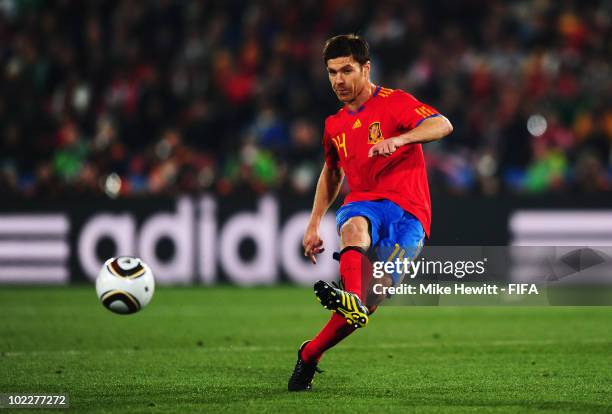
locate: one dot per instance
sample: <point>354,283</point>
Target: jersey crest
<point>374,133</point>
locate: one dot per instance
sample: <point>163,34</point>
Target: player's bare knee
<point>355,233</point>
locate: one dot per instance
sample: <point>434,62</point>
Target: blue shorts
<point>395,233</point>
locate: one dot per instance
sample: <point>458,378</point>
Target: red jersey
<point>401,177</point>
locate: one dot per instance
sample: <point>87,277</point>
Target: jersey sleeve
<point>409,111</point>
<point>331,155</point>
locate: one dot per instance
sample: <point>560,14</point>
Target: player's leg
<point>357,236</point>
<point>358,226</point>
<point>355,241</point>
<point>355,268</point>
<point>402,252</point>
<point>402,238</point>
<point>349,312</point>
<point>387,251</point>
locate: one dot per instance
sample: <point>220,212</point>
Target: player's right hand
<point>312,243</point>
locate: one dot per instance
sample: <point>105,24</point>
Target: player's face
<point>347,77</point>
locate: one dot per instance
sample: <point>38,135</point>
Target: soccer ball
<point>125,284</point>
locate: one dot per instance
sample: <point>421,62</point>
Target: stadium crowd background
<point>132,98</point>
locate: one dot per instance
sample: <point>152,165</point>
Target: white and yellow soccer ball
<point>125,284</point>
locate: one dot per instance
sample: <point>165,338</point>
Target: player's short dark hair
<point>347,45</point>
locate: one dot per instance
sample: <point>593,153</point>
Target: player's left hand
<point>385,147</point>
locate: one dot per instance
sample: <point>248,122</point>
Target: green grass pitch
<point>226,349</point>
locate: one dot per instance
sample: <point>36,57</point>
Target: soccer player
<point>375,141</point>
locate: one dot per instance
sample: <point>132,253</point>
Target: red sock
<point>354,271</point>
<point>352,262</point>
<point>333,332</point>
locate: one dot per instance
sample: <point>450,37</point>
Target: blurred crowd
<point>130,98</point>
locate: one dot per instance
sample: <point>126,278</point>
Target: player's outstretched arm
<point>328,187</point>
<point>431,129</point>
